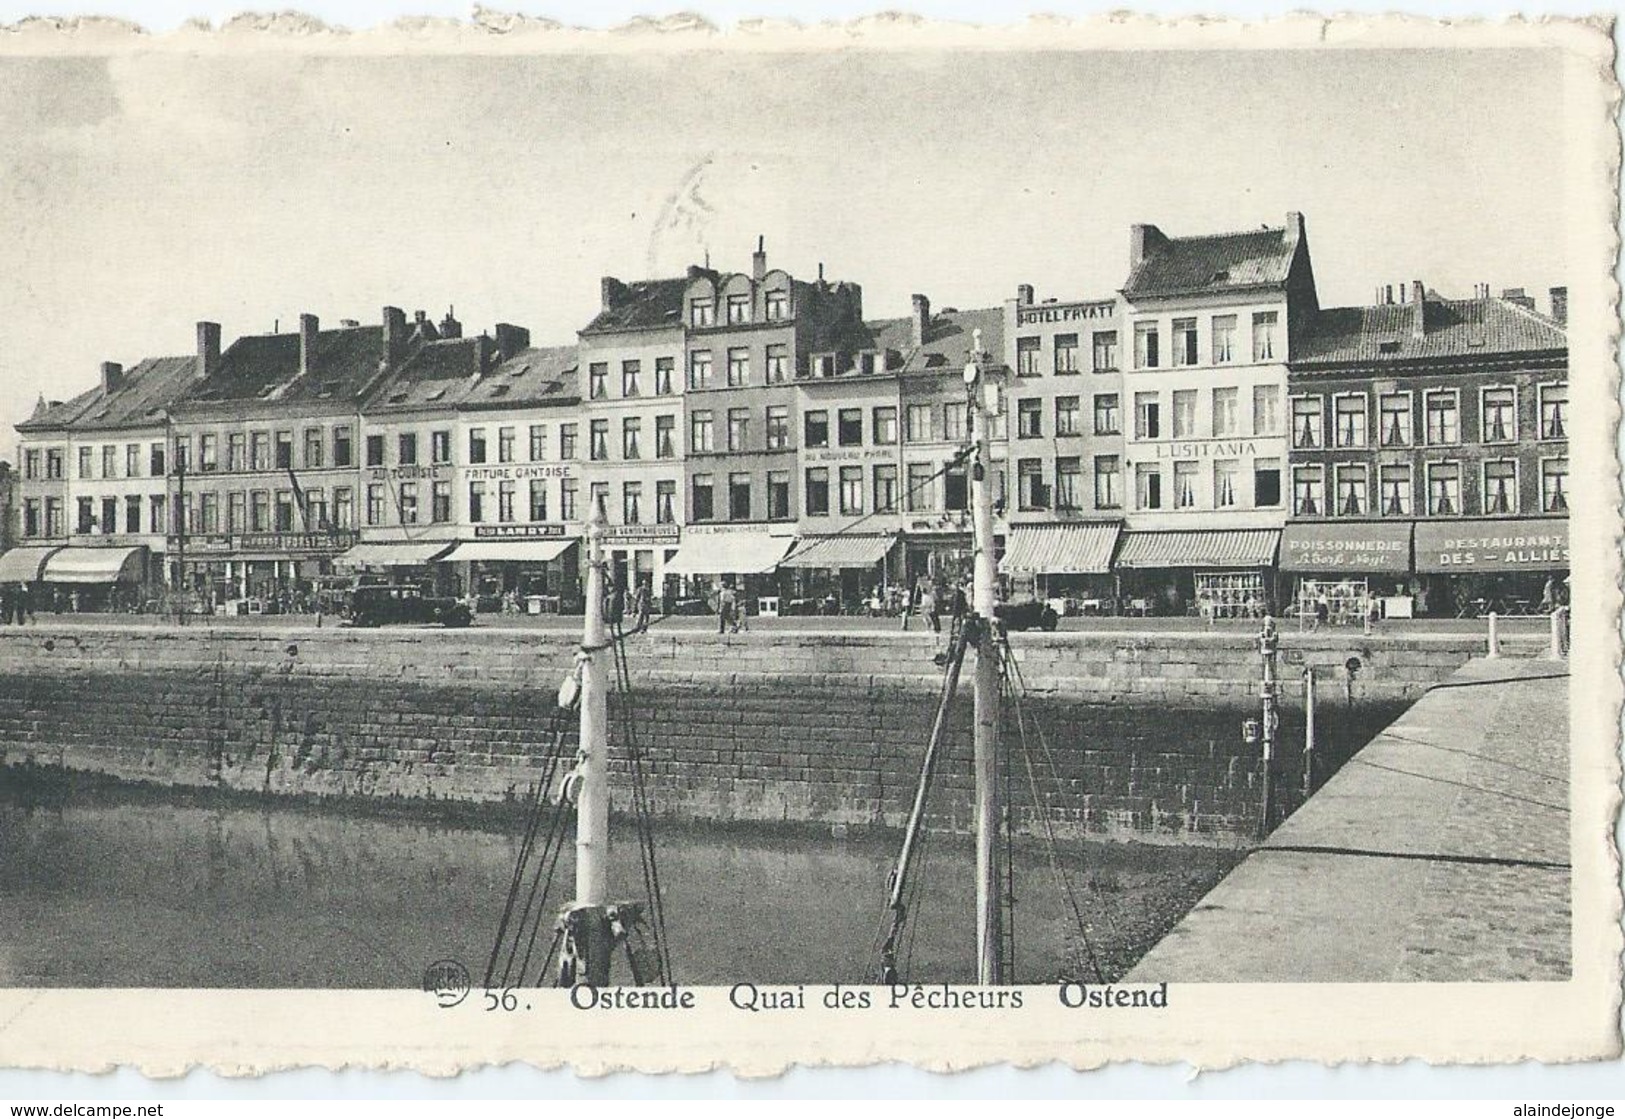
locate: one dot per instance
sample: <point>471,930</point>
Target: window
<point>738,366</point>
<point>1500,486</point>
<point>211,510</point>
<point>1266,409</point>
<point>569,491</point>
<point>1443,418</point>
<point>31,467</point>
<point>778,305</point>
<point>919,498</point>
<point>700,505</point>
<point>343,507</point>
<point>1068,471</point>
<point>1225,474</point>
<point>132,513</point>
<point>1185,485</point>
<point>375,503</point>
<point>440,503</point>
<point>182,517</point>
<point>316,510</point>
<point>1306,421</point>
<point>1224,339</point>
<point>885,424</point>
<point>236,452</point>
<point>476,445</point>
<point>1184,341</point>
<point>598,380</point>
<point>702,312</point>
<point>1029,418</point>
<point>778,363</point>
<point>700,439</point>
<point>314,448</point>
<point>505,444</point>
<point>1108,482</point>
<point>1147,485</point>
<point>567,442</point>
<point>778,427</point>
<point>1030,489</point>
<point>409,503</point>
<point>1394,419</point>
<point>598,440</point>
<point>1147,416</point>
<point>1108,419</point>
<point>1265,343</point>
<point>53,515</point>
<point>885,488</point>
<point>953,420</point>
<point>85,462</point>
<point>631,372</point>
<point>1105,354</point>
<point>1394,486</point>
<point>1353,494</point>
<point>699,369</point>
<point>1027,350</point>
<point>1444,489</point>
<point>1145,345</point>
<point>739,497</point>
<point>1308,491</point>
<point>1554,411</point>
<point>1184,413</point>
<point>1349,420</point>
<point>408,449</point>
<point>849,427</point>
<point>110,458</point>
<point>1266,482</point>
<point>1067,416</point>
<point>284,450</point>
<point>343,447</point>
<point>815,427</point>
<point>53,462</point>
<point>956,488</point>
<point>823,365</point>
<point>31,520</point>
<point>1554,485</point>
<point>375,450</point>
<point>598,495</point>
<point>664,367</point>
<point>476,502</point>
<point>817,491</point>
<point>505,502</point>
<point>1226,412</point>
<point>1498,418</point>
<point>236,511</point>
<point>631,437</point>
<point>738,428</point>
<point>917,423</point>
<point>632,503</point>
<point>666,502</point>
<point>1066,353</point>
<point>665,437</point>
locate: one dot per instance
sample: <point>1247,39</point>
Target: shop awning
<point>509,551</point>
<point>95,565</point>
<point>23,565</point>
<point>839,551</point>
<point>1374,546</point>
<point>728,553</point>
<point>1448,547</point>
<point>401,554</point>
<point>1227,547</point>
<point>1081,549</point>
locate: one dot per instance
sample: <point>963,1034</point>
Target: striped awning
<point>1068,549</point>
<point>23,565</point>
<point>1226,547</point>
<point>737,552</point>
<point>402,554</point>
<point>510,551</point>
<point>839,551</point>
<point>95,565</point>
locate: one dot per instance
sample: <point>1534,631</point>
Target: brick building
<point>1429,458</point>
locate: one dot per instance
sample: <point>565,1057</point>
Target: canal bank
<point>822,728</point>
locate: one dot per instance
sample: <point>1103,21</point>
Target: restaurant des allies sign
<point>1492,546</point>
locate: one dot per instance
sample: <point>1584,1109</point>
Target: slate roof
<point>1213,263</point>
<point>141,399</point>
<point>441,374</point>
<point>947,339</point>
<point>649,304</point>
<point>266,367</point>
<point>1454,328</point>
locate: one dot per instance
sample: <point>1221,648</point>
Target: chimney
<point>1024,295</point>
<point>1295,229</point>
<point>309,326</point>
<point>449,326</point>
<point>1142,242</point>
<point>394,335</point>
<point>511,339</point>
<point>208,349</point>
<point>1518,296</point>
<point>1388,294</point>
<point>484,351</point>
<point>612,293</point>
<point>921,320</point>
<point>349,324</point>
<point>1419,312</point>
<point>1560,305</point>
<point>112,377</point>
<point>758,260</point>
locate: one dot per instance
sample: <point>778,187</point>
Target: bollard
<point>1495,637</point>
<point>1560,633</point>
<point>1308,729</point>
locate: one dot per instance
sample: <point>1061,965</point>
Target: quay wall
<point>1132,735</point>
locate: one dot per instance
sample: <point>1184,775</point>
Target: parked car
<point>381,604</point>
<point>1027,615</point>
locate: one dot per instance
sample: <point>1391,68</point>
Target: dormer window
<point>866,364</point>
<point>824,365</point>
<point>702,312</point>
<point>1387,347</point>
<point>738,308</point>
<point>1222,276</point>
<point>778,305</point>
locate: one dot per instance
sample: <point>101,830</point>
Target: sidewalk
<point>1439,853</point>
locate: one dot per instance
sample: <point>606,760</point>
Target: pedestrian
<point>1373,615</point>
<point>1323,611</point>
<point>25,592</point>
<point>1548,595</point>
<point>726,604</point>
<point>930,608</point>
<point>8,602</point>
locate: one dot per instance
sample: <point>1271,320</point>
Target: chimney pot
<point>112,376</point>
<point>208,349</point>
<point>309,327</point>
<point>758,260</point>
<point>1560,305</point>
<point>1419,312</point>
<point>612,293</point>
<point>394,335</point>
<point>1024,294</point>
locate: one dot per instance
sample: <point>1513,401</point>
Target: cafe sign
<point>1474,546</point>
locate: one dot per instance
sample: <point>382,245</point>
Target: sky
<point>140,193</point>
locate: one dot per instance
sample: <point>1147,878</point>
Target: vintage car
<point>1027,615</point>
<point>380,604</point>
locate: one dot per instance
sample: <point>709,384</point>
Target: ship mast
<point>589,914</point>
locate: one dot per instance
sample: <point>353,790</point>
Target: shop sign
<point>728,527</point>
<point>851,454</point>
<point>516,472</point>
<point>434,473</point>
<point>115,540</point>
<point>1492,546</point>
<point>1207,448</point>
<point>267,542</point>
<point>202,543</point>
<point>640,534</point>
<point>1064,312</point>
<point>517,532</point>
<point>1347,547</point>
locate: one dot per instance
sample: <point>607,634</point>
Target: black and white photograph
<point>696,548</point>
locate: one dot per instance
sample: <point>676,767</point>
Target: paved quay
<point>1439,853</point>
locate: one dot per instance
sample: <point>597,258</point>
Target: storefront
<point>76,579</point>
<point>1211,573</point>
<point>530,571</point>
<point>26,564</point>
<point>1069,564</point>
<point>258,572</point>
<point>1505,566</point>
<point>852,572</point>
<point>743,558</point>
<point>638,556</point>
<point>396,562</point>
<point>1348,566</point>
